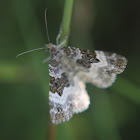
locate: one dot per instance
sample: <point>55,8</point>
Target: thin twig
<point>51,132</point>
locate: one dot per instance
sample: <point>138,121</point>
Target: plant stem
<point>66,20</point>
<point>51,132</point>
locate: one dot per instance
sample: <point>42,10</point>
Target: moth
<point>69,69</point>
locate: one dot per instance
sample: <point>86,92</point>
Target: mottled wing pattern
<point>99,67</point>
<point>103,73</point>
<point>69,69</point>
<point>60,99</point>
<point>116,62</point>
<point>67,94</point>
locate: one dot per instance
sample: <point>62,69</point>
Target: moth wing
<point>81,99</point>
<point>67,95</point>
<point>68,76</point>
<point>97,67</point>
<point>103,73</point>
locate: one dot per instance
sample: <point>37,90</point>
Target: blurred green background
<point>111,25</point>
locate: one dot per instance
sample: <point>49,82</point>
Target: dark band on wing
<point>58,84</point>
<point>119,62</point>
<point>88,57</point>
<point>70,51</point>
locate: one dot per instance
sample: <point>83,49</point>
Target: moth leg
<point>64,41</point>
<point>59,35</point>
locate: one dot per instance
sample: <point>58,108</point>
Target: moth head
<point>50,47</point>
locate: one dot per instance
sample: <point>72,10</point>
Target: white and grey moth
<point>69,69</point>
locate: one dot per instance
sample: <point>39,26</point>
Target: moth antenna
<point>47,36</point>
<point>30,51</point>
<point>46,25</point>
